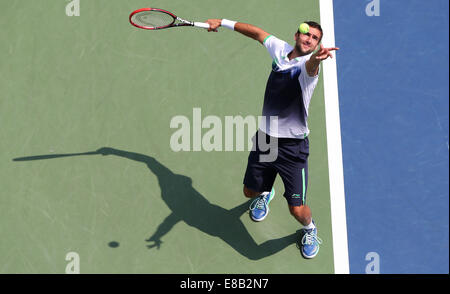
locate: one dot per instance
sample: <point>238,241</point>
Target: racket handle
<point>201,25</point>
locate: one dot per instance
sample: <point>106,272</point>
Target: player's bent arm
<point>251,31</point>
<point>248,30</point>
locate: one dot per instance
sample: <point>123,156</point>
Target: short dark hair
<point>315,25</point>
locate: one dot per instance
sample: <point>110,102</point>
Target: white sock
<point>310,226</point>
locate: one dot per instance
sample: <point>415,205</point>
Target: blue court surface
<point>393,97</point>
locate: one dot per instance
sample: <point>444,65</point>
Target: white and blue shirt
<point>288,93</point>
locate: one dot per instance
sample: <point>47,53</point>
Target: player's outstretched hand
<point>323,53</point>
<point>214,24</point>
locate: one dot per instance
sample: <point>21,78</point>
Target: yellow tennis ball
<point>304,28</point>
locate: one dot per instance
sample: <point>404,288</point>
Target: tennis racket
<point>157,19</point>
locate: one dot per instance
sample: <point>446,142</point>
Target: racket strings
<point>152,19</point>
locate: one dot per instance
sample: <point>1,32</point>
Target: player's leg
<point>258,184</point>
<point>295,180</point>
<point>293,170</point>
<point>295,194</point>
<point>296,188</point>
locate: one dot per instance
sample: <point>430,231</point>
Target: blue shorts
<point>291,164</point>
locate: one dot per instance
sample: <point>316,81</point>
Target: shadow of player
<point>188,205</point>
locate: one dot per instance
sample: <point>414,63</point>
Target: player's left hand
<point>323,53</point>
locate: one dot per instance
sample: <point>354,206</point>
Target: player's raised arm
<point>248,30</point>
<point>312,65</point>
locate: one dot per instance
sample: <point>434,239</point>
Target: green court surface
<point>94,84</point>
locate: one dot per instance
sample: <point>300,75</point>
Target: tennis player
<point>291,83</point>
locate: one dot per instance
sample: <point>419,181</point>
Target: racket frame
<point>182,22</point>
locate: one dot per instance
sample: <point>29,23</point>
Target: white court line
<point>333,126</point>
